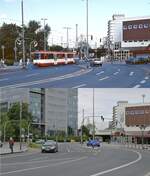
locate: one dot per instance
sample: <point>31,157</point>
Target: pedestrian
<point>11,144</point>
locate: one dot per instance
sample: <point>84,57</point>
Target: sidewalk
<point>9,68</point>
<point>6,150</point>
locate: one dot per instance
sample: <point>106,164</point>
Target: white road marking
<point>119,70</point>
<point>107,77</point>
<point>116,73</point>
<point>5,79</point>
<point>34,162</point>
<point>41,167</point>
<point>30,75</point>
<point>48,80</point>
<point>137,86</point>
<point>143,81</point>
<point>146,78</point>
<point>100,73</point>
<point>131,73</point>
<point>120,167</point>
<point>82,85</point>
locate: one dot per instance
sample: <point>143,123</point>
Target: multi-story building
<point>52,109</point>
<point>61,110</point>
<point>130,119</point>
<point>129,36</point>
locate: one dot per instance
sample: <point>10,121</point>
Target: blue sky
<point>62,13</point>
<point>105,99</point>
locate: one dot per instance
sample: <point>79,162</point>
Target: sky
<point>62,13</point>
<point>105,99</point>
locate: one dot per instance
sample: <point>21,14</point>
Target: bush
<point>34,145</point>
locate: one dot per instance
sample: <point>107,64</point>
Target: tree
<point>85,131</point>
<point>10,32</point>
<point>11,120</point>
<point>56,48</point>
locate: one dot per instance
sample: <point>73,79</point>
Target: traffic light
<point>100,40</point>
<point>102,118</point>
<point>91,37</point>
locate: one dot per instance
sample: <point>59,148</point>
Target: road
<point>74,160</point>
<point>78,76</point>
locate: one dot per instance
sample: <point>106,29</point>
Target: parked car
<point>93,143</point>
<point>1,144</point>
<point>96,62</point>
<point>49,146</point>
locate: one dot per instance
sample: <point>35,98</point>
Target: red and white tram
<point>50,58</point>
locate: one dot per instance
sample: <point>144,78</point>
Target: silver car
<point>49,146</point>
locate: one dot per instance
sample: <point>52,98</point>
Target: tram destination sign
<point>138,115</point>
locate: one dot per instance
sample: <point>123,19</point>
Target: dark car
<point>49,146</point>
<point>93,143</point>
<point>96,62</point>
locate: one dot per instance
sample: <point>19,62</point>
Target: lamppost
<point>23,32</point>
<point>87,27</point>
<point>3,52</point>
<point>17,41</point>
<point>142,128</point>
<point>93,132</point>
<point>67,29</point>
<point>44,19</point>
<point>76,36</point>
<point>34,43</point>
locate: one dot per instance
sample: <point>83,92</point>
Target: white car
<point>96,62</point>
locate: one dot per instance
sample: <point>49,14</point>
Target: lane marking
<point>143,81</point>
<point>121,166</point>
<point>100,73</point>
<point>5,79</point>
<point>34,162</point>
<point>67,76</point>
<point>137,86</point>
<point>116,73</point>
<point>131,73</point>
<point>119,70</point>
<point>106,77</point>
<point>82,85</point>
<point>41,167</point>
<point>30,75</point>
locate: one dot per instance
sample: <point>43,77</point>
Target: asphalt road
<point>74,160</point>
<point>77,76</point>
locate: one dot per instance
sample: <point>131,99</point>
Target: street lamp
<point>67,29</point>
<point>44,19</point>
<point>93,132</point>
<point>87,27</point>
<point>34,43</point>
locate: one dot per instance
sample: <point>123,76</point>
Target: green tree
<point>56,48</point>
<point>13,120</point>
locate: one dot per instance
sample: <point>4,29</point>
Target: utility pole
<point>87,28</point>
<point>67,29</point>
<point>20,125</point>
<point>44,19</point>
<point>93,132</point>
<point>76,35</point>
<point>23,31</point>
<point>82,124</point>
